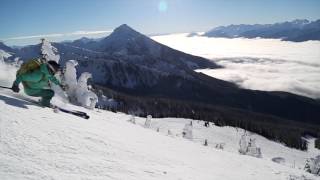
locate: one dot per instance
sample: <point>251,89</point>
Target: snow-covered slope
<point>36,143</point>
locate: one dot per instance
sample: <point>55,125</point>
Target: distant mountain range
<point>297,30</point>
<point>151,78</point>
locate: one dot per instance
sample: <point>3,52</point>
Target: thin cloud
<point>89,32</point>
<point>35,36</point>
<point>76,33</point>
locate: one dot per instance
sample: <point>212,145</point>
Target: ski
<point>54,107</point>
<point>76,113</point>
<point>72,112</point>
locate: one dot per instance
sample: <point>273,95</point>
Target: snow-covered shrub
<point>313,165</point>
<point>147,123</point>
<point>205,142</point>
<point>220,145</point>
<point>248,147</point>
<point>187,131</point>
<point>206,124</point>
<point>132,119</point>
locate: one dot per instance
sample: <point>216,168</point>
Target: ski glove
<point>15,88</point>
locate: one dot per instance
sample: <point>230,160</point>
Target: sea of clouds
<point>260,64</point>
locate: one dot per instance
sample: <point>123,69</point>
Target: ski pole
<point>5,87</point>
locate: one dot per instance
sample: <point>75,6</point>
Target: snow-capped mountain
<point>36,143</point>
<point>297,30</point>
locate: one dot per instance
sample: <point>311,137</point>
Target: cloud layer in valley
<point>261,64</point>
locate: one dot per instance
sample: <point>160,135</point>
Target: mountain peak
<point>124,27</point>
<point>125,30</point>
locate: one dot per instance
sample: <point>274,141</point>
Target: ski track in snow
<point>36,143</point>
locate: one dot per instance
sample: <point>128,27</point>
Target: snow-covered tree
<point>253,150</point>
<point>78,90</point>
<point>147,123</point>
<point>49,52</point>
<point>248,147</point>
<point>132,119</point>
<point>85,96</point>
<point>187,131</point>
<point>313,165</point>
<point>70,78</point>
<point>243,144</point>
<point>206,124</point>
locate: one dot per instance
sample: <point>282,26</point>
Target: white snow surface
<point>36,143</point>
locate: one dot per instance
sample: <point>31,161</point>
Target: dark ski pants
<point>45,94</point>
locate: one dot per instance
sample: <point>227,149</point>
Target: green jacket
<point>37,79</point>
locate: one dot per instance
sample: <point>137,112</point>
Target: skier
<point>35,77</point>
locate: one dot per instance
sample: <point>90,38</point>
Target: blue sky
<point>23,21</point>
